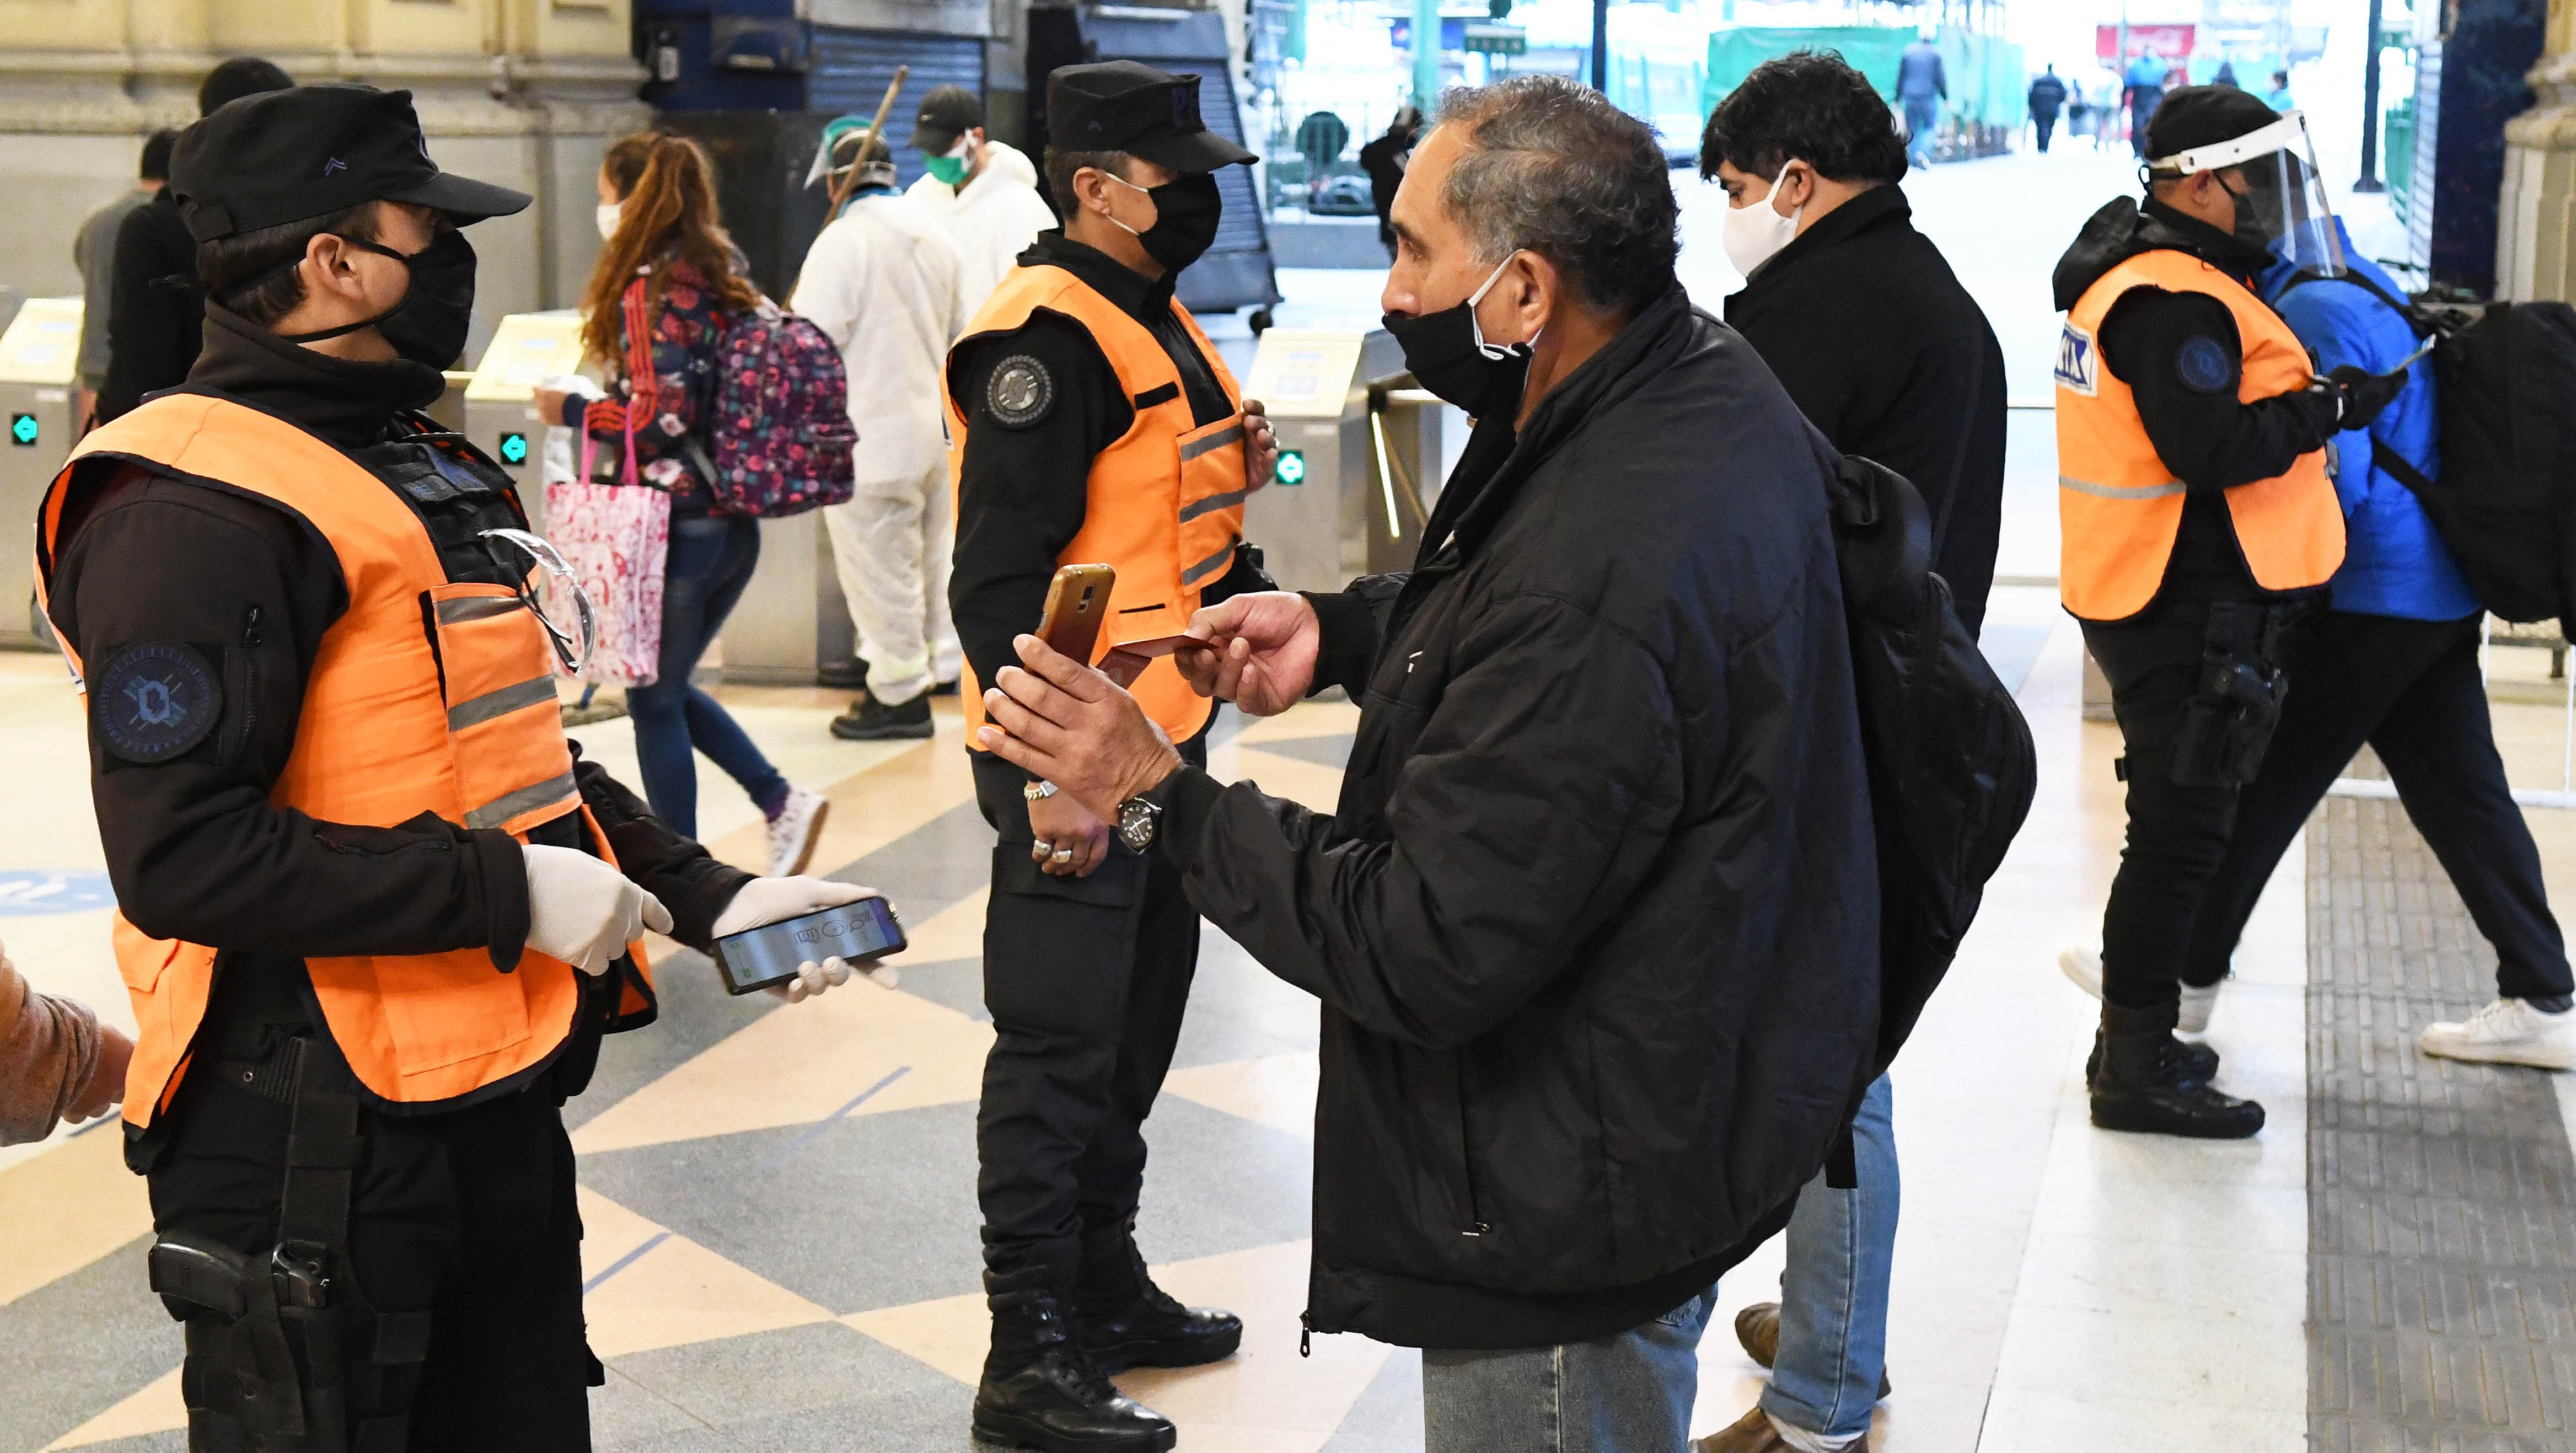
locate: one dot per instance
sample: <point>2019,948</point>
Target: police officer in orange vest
<point>2198,518</point>
<point>1093,423</point>
<point>375,913</point>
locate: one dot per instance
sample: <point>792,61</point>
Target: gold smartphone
<point>1077,602</point>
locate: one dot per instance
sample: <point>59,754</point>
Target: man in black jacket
<point>2047,98</point>
<point>1383,160</point>
<point>1595,924</point>
<point>155,313</point>
<point>1884,352</point>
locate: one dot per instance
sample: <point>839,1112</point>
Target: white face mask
<point>609,213</point>
<point>1754,232</point>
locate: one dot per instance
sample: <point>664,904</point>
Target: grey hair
<point>1552,167</point>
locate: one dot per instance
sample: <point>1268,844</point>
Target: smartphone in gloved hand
<point>858,933</point>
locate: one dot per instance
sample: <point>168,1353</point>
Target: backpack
<point>782,438</point>
<point>1951,767</point>
<point>2506,502</point>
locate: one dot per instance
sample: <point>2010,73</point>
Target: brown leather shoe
<point>1758,1328</point>
<point>1753,1433</point>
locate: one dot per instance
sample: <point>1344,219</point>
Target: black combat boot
<point>1126,1321</point>
<point>2198,1056</point>
<point>1041,1389</point>
<point>2147,1083</point>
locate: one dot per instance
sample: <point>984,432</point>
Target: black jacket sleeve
<point>1022,492</point>
<point>2162,345</point>
<point>195,848</point>
<point>677,870</point>
<point>1542,788</point>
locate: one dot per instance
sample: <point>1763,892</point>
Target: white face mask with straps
<point>1755,231</point>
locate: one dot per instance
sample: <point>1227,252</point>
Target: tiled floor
<point>779,1200</point>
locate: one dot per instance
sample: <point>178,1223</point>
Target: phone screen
<point>759,957</point>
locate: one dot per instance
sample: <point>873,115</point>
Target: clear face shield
<point>562,606</point>
<point>2281,203</point>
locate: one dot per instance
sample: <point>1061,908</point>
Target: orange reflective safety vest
<point>1165,501</point>
<point>425,696</point>
<point>2119,507</point>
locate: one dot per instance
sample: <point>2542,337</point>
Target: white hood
<point>992,221</point>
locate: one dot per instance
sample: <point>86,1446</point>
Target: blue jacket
<point>2394,564</point>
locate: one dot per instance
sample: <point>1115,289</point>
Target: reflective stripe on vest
<point>1164,501</point>
<point>424,696</point>
<point>2119,508</point>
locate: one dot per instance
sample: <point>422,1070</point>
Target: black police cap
<point>1131,107</point>
<point>946,114</point>
<point>2204,116</point>
<point>293,155</point>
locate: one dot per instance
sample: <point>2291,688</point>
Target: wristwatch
<point>1038,791</point>
<point>1137,819</point>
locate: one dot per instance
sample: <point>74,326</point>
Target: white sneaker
<point>2196,1004</point>
<point>794,831</point>
<point>2507,1032</point>
<point>2083,969</point>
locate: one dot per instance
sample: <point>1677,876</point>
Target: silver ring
<point>1063,855</point>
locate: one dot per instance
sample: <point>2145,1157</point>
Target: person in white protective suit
<point>882,281</point>
<point>984,192</point>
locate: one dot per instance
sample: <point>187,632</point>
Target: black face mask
<point>428,326</point>
<point>1185,218</point>
<point>1446,352</point>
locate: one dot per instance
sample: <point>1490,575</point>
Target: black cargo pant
<point>2178,832</point>
<point>1086,979</point>
<point>2411,690</point>
<point>467,1216</point>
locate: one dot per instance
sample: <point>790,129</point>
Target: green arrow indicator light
<point>22,429</point>
<point>1292,466</point>
<point>514,448</point>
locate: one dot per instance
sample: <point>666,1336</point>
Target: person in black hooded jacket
<point>1595,924</point>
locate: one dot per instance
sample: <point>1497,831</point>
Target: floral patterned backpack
<point>782,437</point>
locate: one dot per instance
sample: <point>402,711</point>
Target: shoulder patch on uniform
<point>2204,365</point>
<point>1020,391</point>
<point>2078,361</point>
<point>152,701</point>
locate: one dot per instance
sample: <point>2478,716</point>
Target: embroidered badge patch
<point>2204,365</point>
<point>1021,391</point>
<point>2078,362</point>
<point>153,701</point>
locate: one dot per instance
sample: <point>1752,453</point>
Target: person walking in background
<point>2047,94</point>
<point>2102,88</point>
<point>882,282</point>
<point>2226,76</point>
<point>1889,357</point>
<point>1922,84</point>
<point>1383,160</point>
<point>155,313</point>
<point>2394,665</point>
<point>667,284</point>
<point>2144,90</point>
<point>983,192</point>
<point>94,253</point>
<point>2278,98</point>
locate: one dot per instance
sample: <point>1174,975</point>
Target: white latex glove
<point>583,911</point>
<point>770,900</point>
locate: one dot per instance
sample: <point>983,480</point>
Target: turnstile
<point>1359,457</point>
<point>526,350</point>
<point>39,405</point>
<point>792,620</point>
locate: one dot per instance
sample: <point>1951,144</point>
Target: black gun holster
<point>2228,720</point>
<point>265,1368</point>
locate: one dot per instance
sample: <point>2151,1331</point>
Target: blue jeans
<point>710,562</point>
<point>1833,1293</point>
<point>1630,1392</point>
<point>1922,118</point>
